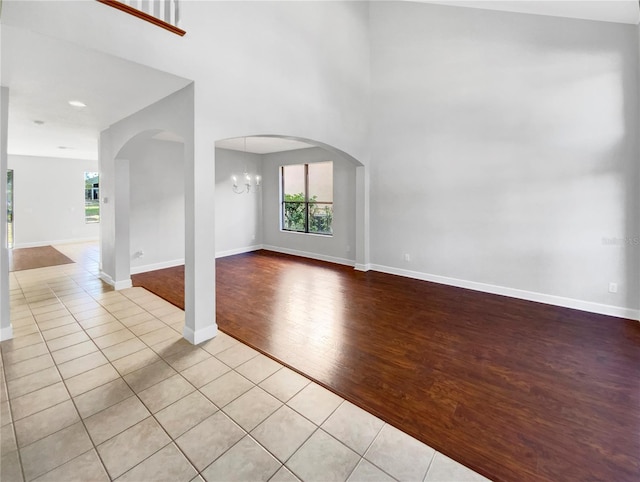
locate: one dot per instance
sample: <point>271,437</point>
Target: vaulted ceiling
<point>44,74</point>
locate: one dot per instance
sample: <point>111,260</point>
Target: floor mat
<point>40,257</point>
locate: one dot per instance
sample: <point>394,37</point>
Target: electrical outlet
<point>407,257</point>
<point>348,248</point>
<point>613,287</point>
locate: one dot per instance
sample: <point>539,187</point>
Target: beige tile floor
<point>100,385</point>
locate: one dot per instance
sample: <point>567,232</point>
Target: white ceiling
<point>619,11</point>
<point>43,74</point>
<point>261,145</point>
<point>252,144</point>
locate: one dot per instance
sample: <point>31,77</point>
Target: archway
<point>265,154</point>
<point>149,204</point>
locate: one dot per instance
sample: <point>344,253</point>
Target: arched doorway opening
<point>328,202</point>
<point>147,226</point>
<point>156,200</point>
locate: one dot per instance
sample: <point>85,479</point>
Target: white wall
<point>156,209</point>
<point>121,142</point>
<point>6,330</point>
<point>248,221</point>
<point>49,200</point>
<point>238,216</point>
<point>177,115</point>
<point>505,144</point>
<point>504,151</point>
<point>311,59</point>
<point>341,246</point>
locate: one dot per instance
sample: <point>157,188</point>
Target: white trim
<point>117,285</point>
<point>155,266</point>
<point>106,278</point>
<point>203,334</point>
<point>306,254</point>
<point>123,285</point>
<point>39,244</point>
<point>589,306</point>
<point>180,262</point>
<point>6,333</point>
<point>362,267</point>
<point>231,252</point>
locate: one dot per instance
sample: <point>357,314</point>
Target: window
<point>91,197</point>
<point>307,197</point>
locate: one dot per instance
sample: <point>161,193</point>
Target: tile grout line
<point>196,389</point>
<point>151,414</point>
<point>82,420</point>
<point>371,444</point>
<point>76,409</point>
<point>109,362</point>
<point>13,420</point>
<point>62,379</point>
<point>364,453</point>
<point>433,457</point>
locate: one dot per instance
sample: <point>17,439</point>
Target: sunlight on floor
<point>99,385</point>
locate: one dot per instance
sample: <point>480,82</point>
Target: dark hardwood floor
<point>40,257</point>
<point>515,390</point>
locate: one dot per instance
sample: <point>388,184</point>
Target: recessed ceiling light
<point>38,122</point>
<point>77,103</point>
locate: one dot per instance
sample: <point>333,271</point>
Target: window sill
<point>319,235</point>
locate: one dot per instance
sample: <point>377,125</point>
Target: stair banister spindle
<point>163,13</point>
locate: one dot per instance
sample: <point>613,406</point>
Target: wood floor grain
<point>515,390</point>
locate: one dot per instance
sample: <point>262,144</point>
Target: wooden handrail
<point>144,16</point>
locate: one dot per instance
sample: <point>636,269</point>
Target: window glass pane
<point>293,182</point>
<point>307,204</point>
<point>321,182</point>
<point>320,218</point>
<point>91,197</point>
<point>293,216</point>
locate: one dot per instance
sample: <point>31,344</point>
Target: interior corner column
<point>114,216</point>
<point>6,330</point>
<point>200,254</point>
<point>121,198</point>
<point>362,219</point>
<point>106,165</point>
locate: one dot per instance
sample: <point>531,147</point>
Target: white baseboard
<point>180,262</point>
<point>6,333</point>
<point>155,266</point>
<point>123,285</point>
<point>117,285</point>
<point>231,252</point>
<point>305,254</point>
<point>38,244</point>
<point>198,336</point>
<point>589,306</point>
<point>106,278</point>
<point>362,267</point>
